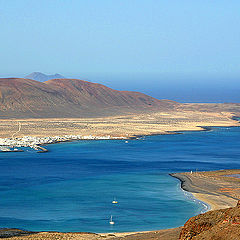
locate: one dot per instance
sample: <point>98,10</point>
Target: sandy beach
<point>219,189</point>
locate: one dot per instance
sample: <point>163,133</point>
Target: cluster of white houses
<point>34,142</point>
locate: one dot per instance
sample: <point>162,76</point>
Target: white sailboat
<point>111,221</point>
<point>114,201</point>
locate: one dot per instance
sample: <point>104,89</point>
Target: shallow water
<point>71,187</point>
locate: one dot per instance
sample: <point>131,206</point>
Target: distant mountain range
<point>41,77</point>
<point>26,98</point>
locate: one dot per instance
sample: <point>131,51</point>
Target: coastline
<point>218,189</point>
<point>185,186</point>
<point>207,207</point>
<point>189,183</point>
<point>208,187</point>
<point>37,143</point>
<point>211,187</point>
<point>46,131</point>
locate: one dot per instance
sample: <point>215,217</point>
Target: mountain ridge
<point>41,77</point>
<point>26,98</point>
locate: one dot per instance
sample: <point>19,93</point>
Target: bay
<point>71,187</point>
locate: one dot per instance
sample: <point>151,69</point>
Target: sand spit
<point>217,188</point>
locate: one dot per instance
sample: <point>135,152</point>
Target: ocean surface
<point>71,188</point>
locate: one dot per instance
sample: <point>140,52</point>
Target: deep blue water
<point>71,187</point>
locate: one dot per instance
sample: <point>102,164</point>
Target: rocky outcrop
<point>8,233</point>
<point>221,224</point>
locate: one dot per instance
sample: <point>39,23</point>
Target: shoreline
<point>207,196</point>
<point>217,189</point>
<point>185,186</point>
<point>207,207</point>
<point>117,127</point>
<point>208,187</point>
<point>38,143</point>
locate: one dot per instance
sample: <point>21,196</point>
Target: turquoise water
<point>71,187</point>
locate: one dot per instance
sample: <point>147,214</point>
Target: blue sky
<point>166,48</point>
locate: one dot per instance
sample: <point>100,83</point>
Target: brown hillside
<point>221,224</point>
<point>24,98</point>
<point>85,93</point>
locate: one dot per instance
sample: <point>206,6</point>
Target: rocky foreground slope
<point>221,224</point>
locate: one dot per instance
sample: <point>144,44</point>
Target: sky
<point>184,50</point>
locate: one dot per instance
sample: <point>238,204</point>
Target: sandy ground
<point>118,126</point>
<point>215,188</point>
<point>166,234</point>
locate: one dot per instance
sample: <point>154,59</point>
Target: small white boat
<point>126,141</point>
<point>111,221</point>
<point>114,201</point>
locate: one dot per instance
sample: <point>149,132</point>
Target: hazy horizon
<point>181,89</point>
<point>184,51</point>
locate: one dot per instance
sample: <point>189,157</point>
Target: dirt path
<point>19,129</point>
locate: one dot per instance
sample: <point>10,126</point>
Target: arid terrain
<point>168,234</point>
<point>63,98</point>
<point>73,98</point>
<point>220,224</point>
<point>61,107</point>
<point>116,126</point>
<point>220,189</point>
<point>76,107</point>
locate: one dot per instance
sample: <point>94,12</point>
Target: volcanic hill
<point>26,98</point>
<point>41,77</point>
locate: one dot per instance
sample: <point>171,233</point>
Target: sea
<point>71,187</point>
